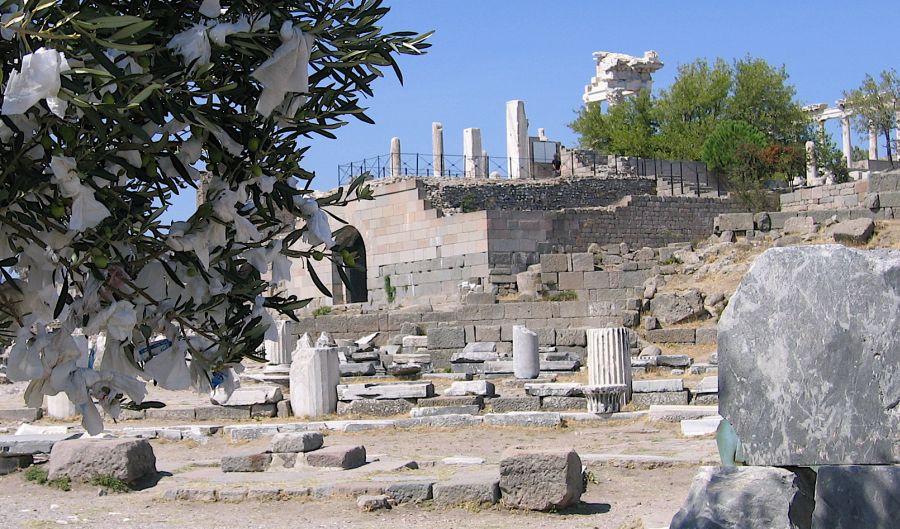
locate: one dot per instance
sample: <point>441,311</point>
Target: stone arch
<point>355,289</point>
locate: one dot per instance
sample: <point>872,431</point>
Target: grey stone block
<point>21,415</point>
<point>404,390</point>
<point>129,460</point>
<point>263,410</point>
<point>571,337</point>
<point>850,497</point>
<point>284,409</point>
<point>671,335</point>
<point>524,419</point>
<point>374,408</point>
<point>469,488</point>
<point>358,369</point>
<point>856,231</point>
<point>837,339</point>
<point>748,498</point>
<point>452,401</point>
<point>341,456</point>
<point>666,398</point>
<point>296,442</point>
<point>541,480</point>
<point>563,403</point>
<point>654,386</point>
<point>487,333</point>
<point>439,421</point>
<point>446,337</point>
<point>582,262</point>
<point>706,335</point>
<point>246,463</point>
<point>431,411</point>
<point>677,307</point>
<point>510,404</point>
<point>673,360</point>
<point>216,413</point>
<point>554,389</point>
<point>554,263</point>
<point>10,464</point>
<point>26,445</point>
<point>410,491</point>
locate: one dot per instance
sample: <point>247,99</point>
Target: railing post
<point>671,178</point>
<point>697,177</point>
<point>681,177</point>
<point>417,165</point>
<point>594,162</point>
<point>572,168</point>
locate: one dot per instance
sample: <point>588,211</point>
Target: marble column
<point>609,359</point>
<point>278,352</point>
<point>873,143</point>
<point>812,168</point>
<point>605,398</point>
<point>526,360</point>
<point>315,375</point>
<point>437,148</point>
<point>847,144</point>
<point>517,152</point>
<point>472,153</point>
<point>395,157</point>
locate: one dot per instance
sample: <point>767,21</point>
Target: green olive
<point>100,261</point>
<point>215,155</point>
<point>57,211</point>
<point>253,144</point>
<point>256,171</point>
<point>108,99</point>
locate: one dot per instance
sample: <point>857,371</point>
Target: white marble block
<point>609,359</point>
<point>315,375</point>
<point>517,151</point>
<point>472,153</point>
<point>437,148</point>
<point>526,360</point>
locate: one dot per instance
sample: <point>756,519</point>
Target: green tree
<point>875,103</point>
<point>719,151</point>
<point>762,97</point>
<point>688,111</point>
<point>110,110</point>
<point>627,128</point>
<point>830,159</point>
<point>735,149</point>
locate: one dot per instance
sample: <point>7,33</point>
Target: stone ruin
<point>620,75</point>
<point>809,390</point>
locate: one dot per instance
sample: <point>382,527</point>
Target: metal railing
<point>674,176</point>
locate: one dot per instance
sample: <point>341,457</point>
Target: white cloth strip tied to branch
<point>286,71</point>
<point>87,211</point>
<point>38,78</point>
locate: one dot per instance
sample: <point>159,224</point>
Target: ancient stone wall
<point>837,196</point>
<point>645,221</point>
<point>531,195</point>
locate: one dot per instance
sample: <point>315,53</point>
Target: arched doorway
<point>353,288</point>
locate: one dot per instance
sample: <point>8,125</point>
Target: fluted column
<point>526,360</point>
<point>315,374</point>
<point>278,352</point>
<point>609,359</point>
<point>437,148</point>
<point>395,157</point>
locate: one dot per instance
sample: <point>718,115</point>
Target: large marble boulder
<point>809,357</point>
<point>854,496</point>
<point>748,498</point>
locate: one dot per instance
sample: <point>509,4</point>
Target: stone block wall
<point>430,280</point>
<point>452,195</point>
<point>650,221</point>
<point>837,196</point>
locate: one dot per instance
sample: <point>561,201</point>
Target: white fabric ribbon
<point>38,78</point>
<point>286,71</point>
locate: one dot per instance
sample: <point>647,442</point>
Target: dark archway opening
<point>353,286</point>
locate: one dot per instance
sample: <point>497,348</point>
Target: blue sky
<point>486,52</point>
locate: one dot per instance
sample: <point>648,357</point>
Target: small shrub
<point>110,483</point>
<point>670,261</point>
<point>64,484</point>
<point>36,474</point>
<point>467,204</point>
<point>565,295</point>
<point>389,290</point>
<point>322,311</point>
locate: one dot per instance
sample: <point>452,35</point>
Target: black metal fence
<point>676,177</point>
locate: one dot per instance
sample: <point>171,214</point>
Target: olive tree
<point>112,108</point>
